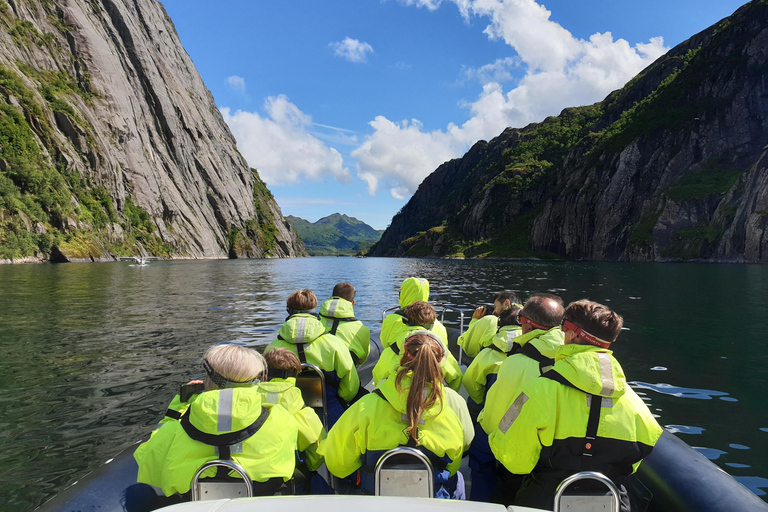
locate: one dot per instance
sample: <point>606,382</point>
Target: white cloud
<point>499,71</point>
<point>236,82</point>
<point>351,49</point>
<point>280,146</point>
<point>560,71</point>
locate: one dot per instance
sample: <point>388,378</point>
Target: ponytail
<point>421,358</point>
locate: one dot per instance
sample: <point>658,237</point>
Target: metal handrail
<point>231,465</point>
<point>461,324</point>
<point>588,475</point>
<point>404,450</point>
<point>318,371</point>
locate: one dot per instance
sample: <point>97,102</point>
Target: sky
<point>347,105</point>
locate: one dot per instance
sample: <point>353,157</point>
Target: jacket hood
<point>546,342</point>
<point>413,289</point>
<point>283,392</point>
<point>225,410</point>
<point>591,369</point>
<point>399,399</point>
<point>506,336</point>
<point>301,328</point>
<point>336,307</point>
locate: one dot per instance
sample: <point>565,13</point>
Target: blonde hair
<point>235,363</point>
<point>421,357</point>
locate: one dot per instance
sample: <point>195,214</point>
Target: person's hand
<point>479,312</point>
<point>194,382</point>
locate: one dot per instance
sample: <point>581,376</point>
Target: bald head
<point>545,309</point>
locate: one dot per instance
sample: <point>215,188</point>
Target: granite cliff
<point>671,167</point>
<point>111,145</point>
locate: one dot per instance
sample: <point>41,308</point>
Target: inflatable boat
<point>673,478</point>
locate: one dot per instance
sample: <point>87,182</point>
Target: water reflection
<point>93,352</point>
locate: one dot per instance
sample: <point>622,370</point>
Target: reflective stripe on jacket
<point>515,371</point>
<point>171,458</point>
<point>338,318</point>
<point>305,333</point>
<point>543,430</point>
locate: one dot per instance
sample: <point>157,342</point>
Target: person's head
<point>589,323</point>
<point>509,315</point>
<point>541,311</point>
<point>345,291</point>
<point>229,365</point>
<point>282,363</point>
<point>301,301</point>
<point>503,300</point>
<point>413,289</point>
<point>420,313</point>
<point>422,354</point>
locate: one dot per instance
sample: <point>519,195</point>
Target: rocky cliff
<point>671,167</point>
<point>110,143</point>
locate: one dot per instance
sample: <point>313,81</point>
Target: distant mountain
<point>334,235</point>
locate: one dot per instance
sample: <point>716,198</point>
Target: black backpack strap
<point>224,442</point>
<point>300,351</point>
<point>593,422</point>
<point>530,351</point>
<point>173,414</point>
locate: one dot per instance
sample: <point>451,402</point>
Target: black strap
<point>174,415</point>
<point>224,440</point>
<point>395,348</point>
<point>274,373</point>
<point>593,422</point>
<point>300,350</point>
<point>532,352</point>
<point>334,326</point>
<point>554,375</point>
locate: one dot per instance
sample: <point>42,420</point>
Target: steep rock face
<point>669,168</point>
<point>120,115</point>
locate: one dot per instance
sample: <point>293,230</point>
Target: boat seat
<point>210,489</point>
<point>404,471</point>
<point>589,501</point>
<point>311,383</point>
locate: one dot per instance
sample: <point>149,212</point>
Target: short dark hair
<point>546,309</point>
<point>597,319</point>
<point>344,290</point>
<point>303,299</point>
<point>509,315</point>
<point>506,296</point>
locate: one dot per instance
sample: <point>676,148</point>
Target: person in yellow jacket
<point>484,323</point>
<point>280,388</point>
<point>338,317</point>
<point>225,421</point>
<point>580,416</point>
<point>532,351</point>
<point>408,409</point>
<point>418,315</point>
<point>304,335</point>
<point>394,327</point>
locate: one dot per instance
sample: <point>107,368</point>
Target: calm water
<point>92,353</point>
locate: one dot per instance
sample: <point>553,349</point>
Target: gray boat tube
<point>683,480</point>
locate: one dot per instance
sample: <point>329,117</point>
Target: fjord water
<point>92,353</point>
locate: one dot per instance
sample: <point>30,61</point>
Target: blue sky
<point>347,105</point>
